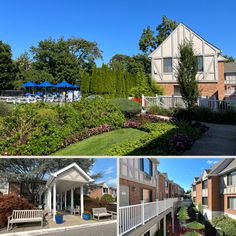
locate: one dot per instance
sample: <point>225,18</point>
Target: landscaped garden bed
<point>44,129</point>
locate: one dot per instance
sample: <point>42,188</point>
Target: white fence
<point>130,217</point>
<point>177,101</point>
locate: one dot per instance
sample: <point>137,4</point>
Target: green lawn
<point>100,144</point>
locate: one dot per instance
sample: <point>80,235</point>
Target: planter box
<point>59,219</point>
<point>86,216</point>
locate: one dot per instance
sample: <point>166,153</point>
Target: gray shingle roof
<point>230,167</point>
<point>230,67</point>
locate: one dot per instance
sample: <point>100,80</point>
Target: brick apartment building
<point>216,79</point>
<point>29,191</point>
<point>140,181</point>
<point>98,190</point>
<point>215,189</point>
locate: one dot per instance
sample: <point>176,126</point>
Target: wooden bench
<point>101,212</point>
<point>25,216</point>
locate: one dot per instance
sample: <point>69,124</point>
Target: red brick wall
<point>230,211</point>
<point>215,200</point>
<point>135,191</point>
<point>15,188</point>
<point>199,193</point>
<point>161,190</point>
<point>98,192</point>
<point>206,89</point>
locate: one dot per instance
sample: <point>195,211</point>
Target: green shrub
<point>5,108</point>
<point>195,225</point>
<point>95,112</point>
<point>127,107</point>
<point>107,198</point>
<point>182,214</point>
<point>226,225</point>
<point>205,114</point>
<point>40,128</point>
<point>160,111</point>
<point>155,142</point>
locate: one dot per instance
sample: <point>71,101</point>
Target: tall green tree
<point>85,84</point>
<point>186,74</point>
<point>7,66</point>
<point>65,59</point>
<point>149,41</point>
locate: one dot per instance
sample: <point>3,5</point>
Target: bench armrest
<point>9,217</point>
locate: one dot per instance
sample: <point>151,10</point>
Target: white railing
<point>205,192</point>
<point>130,217</point>
<point>177,101</point>
<point>230,190</point>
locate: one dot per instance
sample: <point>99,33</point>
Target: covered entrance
<point>60,188</point>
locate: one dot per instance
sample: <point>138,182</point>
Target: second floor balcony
<point>194,194</point>
<point>231,189</point>
<point>205,192</point>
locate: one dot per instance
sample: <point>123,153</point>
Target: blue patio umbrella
<point>29,85</point>
<point>76,86</point>
<point>64,84</point>
<point>46,84</point>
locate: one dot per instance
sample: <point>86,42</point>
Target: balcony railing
<point>230,80</point>
<point>194,194</point>
<point>230,190</point>
<point>130,217</point>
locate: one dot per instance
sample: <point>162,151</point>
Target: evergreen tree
<point>85,84</point>
<point>7,66</point>
<point>186,74</point>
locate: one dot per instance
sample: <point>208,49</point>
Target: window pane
<point>167,65</point>
<point>148,166</point>
<point>232,203</point>
<point>200,63</point>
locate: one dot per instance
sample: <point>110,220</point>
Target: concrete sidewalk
<point>108,228</point>
<point>219,140</point>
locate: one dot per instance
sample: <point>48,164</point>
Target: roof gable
<point>181,33</point>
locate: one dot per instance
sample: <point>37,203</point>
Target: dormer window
<point>200,67</point>
<point>167,65</point>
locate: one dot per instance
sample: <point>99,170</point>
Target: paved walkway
<point>219,140</point>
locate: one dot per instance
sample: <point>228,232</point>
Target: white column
<point>61,201</point>
<point>82,199</point>
<point>50,199</point>
<point>173,221</point>
<point>65,200</point>
<point>54,200</point>
<point>164,225</point>
<point>71,200</point>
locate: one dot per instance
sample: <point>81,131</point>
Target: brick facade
<point>199,193</point>
<point>98,192</point>
<point>135,191</point>
<point>215,198</point>
<point>206,89</point>
<point>161,190</point>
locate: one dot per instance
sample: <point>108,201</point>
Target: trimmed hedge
<point>127,107</point>
<point>155,142</point>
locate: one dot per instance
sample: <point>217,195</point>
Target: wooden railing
<point>130,217</point>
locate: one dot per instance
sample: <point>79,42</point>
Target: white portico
<point>60,189</point>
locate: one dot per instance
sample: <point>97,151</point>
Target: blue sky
<point>109,169</point>
<point>116,25</point>
<point>183,170</point>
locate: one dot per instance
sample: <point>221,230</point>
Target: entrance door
<point>124,195</point>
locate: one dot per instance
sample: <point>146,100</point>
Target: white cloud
<point>211,162</point>
<point>109,170</point>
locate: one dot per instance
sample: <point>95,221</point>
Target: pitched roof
<point>230,67</point>
<point>220,166</point>
<point>182,24</point>
<point>230,167</point>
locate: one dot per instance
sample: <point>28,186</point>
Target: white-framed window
<point>167,65</point>
<point>146,166</point>
<point>204,184</point>
<point>232,203</point>
<point>200,67</point>
<point>231,178</point>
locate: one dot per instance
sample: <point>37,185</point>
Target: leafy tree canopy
<point>149,41</point>
<point>229,58</point>
<point>7,66</point>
